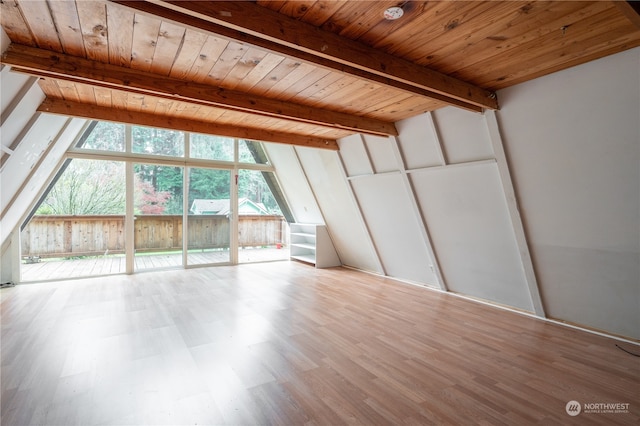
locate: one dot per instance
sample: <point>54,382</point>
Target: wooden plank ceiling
<point>301,72</point>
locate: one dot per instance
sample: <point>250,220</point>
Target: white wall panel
<point>354,156</point>
<point>5,41</point>
<point>14,124</point>
<point>294,183</point>
<point>418,142</point>
<point>27,153</point>
<point>381,154</point>
<point>30,186</point>
<point>467,215</point>
<point>394,227</point>
<point>573,141</point>
<point>463,135</point>
<point>11,83</point>
<point>340,211</point>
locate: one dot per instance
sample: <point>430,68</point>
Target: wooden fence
<point>69,236</point>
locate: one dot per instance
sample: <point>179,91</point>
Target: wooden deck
<point>46,270</point>
<point>285,343</point>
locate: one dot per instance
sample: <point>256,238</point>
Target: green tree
<point>147,140</point>
<point>209,184</point>
<point>87,187</point>
<point>252,185</point>
<point>163,179</point>
<point>211,147</point>
<point>105,136</point>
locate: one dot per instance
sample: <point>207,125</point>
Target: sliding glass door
<point>262,229</point>
<point>158,207</point>
<point>209,217</point>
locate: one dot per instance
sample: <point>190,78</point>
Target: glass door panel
<point>262,229</point>
<point>209,219</point>
<point>78,228</point>
<point>158,201</point>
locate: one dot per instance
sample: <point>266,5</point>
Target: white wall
<point>377,175</point>
<point>311,178</point>
<point>325,174</point>
<point>294,183</point>
<point>467,214</point>
<point>460,196</point>
<point>386,206</point>
<point>573,141</point>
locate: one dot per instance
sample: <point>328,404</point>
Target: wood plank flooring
<point>284,343</point>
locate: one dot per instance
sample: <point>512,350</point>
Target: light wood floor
<point>284,343</point>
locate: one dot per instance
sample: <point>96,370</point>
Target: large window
<point>147,140</point>
<point>132,198</point>
<point>78,229</point>
<point>104,136</point>
<point>251,152</point>
<point>211,147</point>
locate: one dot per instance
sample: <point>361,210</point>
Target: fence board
<point>70,236</point>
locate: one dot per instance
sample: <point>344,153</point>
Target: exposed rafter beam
<point>247,22</point>
<point>630,9</point>
<point>59,106</point>
<point>45,63</point>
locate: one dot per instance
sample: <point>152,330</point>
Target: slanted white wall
<point>312,178</point>
<point>324,172</point>
<point>460,195</point>
<point>21,96</point>
<point>376,173</point>
<point>294,183</point>
<point>573,141</point>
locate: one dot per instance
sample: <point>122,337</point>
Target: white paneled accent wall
<point>353,148</point>
<point>381,152</point>
<point>466,211</point>
<point>386,207</point>
<point>462,202</point>
<point>428,152</point>
<point>463,135</point>
<point>573,140</point>
<point>389,209</point>
<point>435,222</point>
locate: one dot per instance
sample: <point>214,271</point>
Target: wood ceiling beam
<point>94,112</point>
<point>49,64</point>
<point>630,9</point>
<point>253,24</point>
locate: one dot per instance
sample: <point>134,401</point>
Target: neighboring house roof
<point>209,206</point>
<point>246,206</point>
<point>223,206</point>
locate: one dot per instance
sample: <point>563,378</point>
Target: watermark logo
<point>573,408</point>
